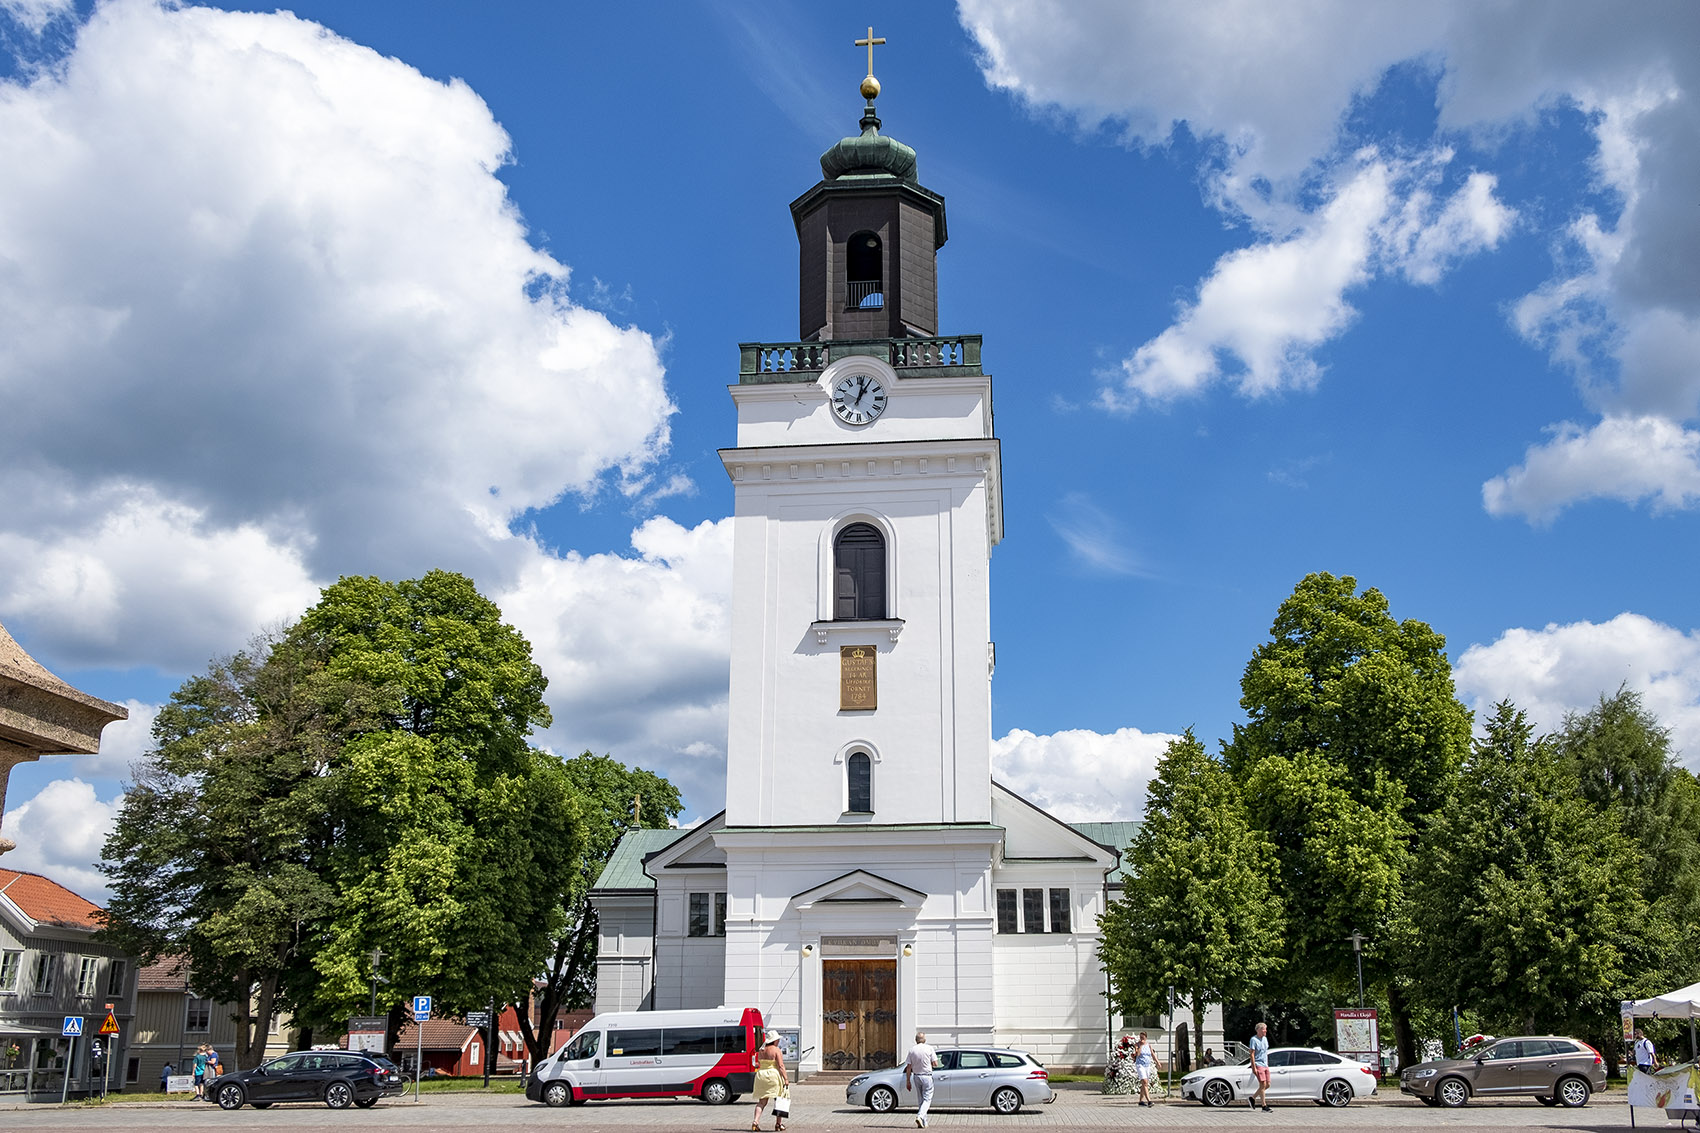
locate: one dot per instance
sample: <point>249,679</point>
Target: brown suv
<point>1556,1071</point>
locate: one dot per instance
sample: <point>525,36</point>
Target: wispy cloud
<point>1093,536</point>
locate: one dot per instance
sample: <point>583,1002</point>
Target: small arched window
<point>863,273</point>
<point>859,773</point>
<point>859,562</point>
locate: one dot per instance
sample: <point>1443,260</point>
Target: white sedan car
<point>1295,1073</point>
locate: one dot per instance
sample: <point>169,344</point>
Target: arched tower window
<point>859,562</point>
<point>865,285</point>
<point>859,776</point>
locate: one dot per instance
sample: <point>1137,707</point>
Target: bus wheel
<point>715,1091</point>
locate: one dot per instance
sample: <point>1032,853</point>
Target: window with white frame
<point>1009,911</point>
<point>11,963</point>
<point>115,978</point>
<point>1023,910</point>
<point>42,977</point>
<point>88,972</point>
<point>859,783</point>
<point>1061,920</point>
<point>708,914</point>
<point>197,1014</point>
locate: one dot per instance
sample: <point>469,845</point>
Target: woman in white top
<point>1144,1068</point>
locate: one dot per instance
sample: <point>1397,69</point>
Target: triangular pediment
<point>1034,834</point>
<point>859,887</point>
<point>695,849</point>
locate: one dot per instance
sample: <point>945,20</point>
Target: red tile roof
<point>48,902</point>
<point>440,1034</point>
<point>168,973</point>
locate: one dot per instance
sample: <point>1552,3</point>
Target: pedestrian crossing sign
<point>73,1025</point>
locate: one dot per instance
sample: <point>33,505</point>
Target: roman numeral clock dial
<point>858,398</point>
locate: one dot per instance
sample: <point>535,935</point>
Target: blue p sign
<point>421,1008</point>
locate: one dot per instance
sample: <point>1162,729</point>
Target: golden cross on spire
<point>870,85</point>
<point>870,43</point>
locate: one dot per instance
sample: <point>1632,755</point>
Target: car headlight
<point>858,1080</point>
<point>1426,1072</point>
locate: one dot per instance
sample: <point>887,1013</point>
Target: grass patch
<point>1093,1078</point>
<point>441,1085</point>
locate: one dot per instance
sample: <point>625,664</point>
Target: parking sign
<point>421,1008</point>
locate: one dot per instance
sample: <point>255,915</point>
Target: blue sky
<point>1403,292</point>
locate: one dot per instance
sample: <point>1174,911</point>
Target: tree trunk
<point>253,1023</point>
<point>303,1038</point>
<point>1198,1028</point>
<point>1403,1038</point>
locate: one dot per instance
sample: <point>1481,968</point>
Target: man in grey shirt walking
<point>918,1075</point>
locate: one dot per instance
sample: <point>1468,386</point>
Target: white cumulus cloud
<point>1566,668</point>
<point>1079,775</point>
<point>59,833</point>
<point>267,316</point>
<point>1271,90</point>
<point>637,649</point>
<point>1623,458</point>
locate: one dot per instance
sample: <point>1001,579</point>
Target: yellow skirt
<point>768,1082</point>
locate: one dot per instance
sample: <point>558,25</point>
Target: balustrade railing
<point>957,355</point>
<point>865,294</point>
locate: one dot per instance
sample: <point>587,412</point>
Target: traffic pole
<point>70,1061</point>
<point>418,1059</point>
<point>489,1041</point>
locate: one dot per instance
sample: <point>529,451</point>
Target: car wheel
<point>1572,1092</point>
<point>338,1095</point>
<point>1217,1093</point>
<point>1006,1099</point>
<point>1337,1092</point>
<point>230,1096</point>
<point>1452,1092</point>
<point>882,1099</point>
<point>715,1091</point>
<point>557,1094</point>
<point>365,1103</point>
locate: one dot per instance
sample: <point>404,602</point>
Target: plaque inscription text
<point>857,687</point>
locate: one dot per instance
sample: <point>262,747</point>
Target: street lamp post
<point>1358,952</point>
<point>377,955</point>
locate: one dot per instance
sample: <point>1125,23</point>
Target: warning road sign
<point>110,1027</point>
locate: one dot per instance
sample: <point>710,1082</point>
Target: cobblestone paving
<point>819,1109</point>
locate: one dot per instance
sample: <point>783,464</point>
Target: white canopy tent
<point>1684,1003</point>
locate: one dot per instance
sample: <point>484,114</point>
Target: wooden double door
<point>859,1014</point>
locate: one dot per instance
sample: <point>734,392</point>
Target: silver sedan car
<point>1003,1079</point>
<point>1295,1073</point>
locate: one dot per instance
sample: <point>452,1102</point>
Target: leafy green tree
<point>1353,734</point>
<point>218,851</point>
<point>1528,894</point>
<point>1197,911</point>
<point>1622,758</point>
<point>612,798</point>
<point>455,836</point>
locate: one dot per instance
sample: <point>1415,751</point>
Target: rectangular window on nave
<point>1009,914</point>
<point>1033,910</point>
<point>708,914</point>
<point>1060,919</point>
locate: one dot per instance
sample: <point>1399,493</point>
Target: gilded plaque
<point>857,688</point>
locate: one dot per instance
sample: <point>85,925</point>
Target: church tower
<point>867,877</point>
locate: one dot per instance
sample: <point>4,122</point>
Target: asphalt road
<point>818,1109</point>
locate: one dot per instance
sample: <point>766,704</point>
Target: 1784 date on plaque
<point>858,689</point>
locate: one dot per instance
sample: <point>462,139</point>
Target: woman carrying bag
<point>771,1084</point>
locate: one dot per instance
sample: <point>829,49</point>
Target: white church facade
<point>867,877</point>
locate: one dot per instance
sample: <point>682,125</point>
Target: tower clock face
<point>858,398</point>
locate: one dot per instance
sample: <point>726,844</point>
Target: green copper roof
<point>869,155</point>
<point>1116,835</point>
<point>625,865</point>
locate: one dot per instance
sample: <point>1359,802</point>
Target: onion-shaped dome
<point>872,154</point>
